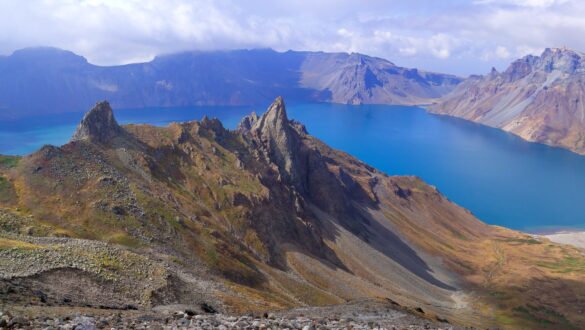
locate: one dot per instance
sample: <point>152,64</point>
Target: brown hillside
<point>263,217</point>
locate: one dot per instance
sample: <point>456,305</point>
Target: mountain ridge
<point>58,81</point>
<point>539,98</point>
<point>262,217</point>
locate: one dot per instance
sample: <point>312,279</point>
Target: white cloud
<point>440,45</point>
<point>457,36</point>
<point>408,51</point>
<point>502,52</point>
<point>499,53</point>
<point>523,3</point>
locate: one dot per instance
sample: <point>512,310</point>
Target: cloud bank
<point>458,36</point>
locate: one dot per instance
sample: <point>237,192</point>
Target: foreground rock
<point>358,315</point>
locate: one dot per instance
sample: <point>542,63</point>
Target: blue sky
<point>461,37</point>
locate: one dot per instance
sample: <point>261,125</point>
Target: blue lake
<point>502,179</point>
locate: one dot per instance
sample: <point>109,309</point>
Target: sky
<point>457,36</point>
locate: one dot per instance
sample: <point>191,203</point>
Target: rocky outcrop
<point>539,98</point>
<point>362,315</point>
<point>247,122</point>
<point>279,142</point>
<point>286,144</point>
<point>98,125</point>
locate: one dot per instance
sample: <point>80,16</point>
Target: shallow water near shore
<point>501,178</point>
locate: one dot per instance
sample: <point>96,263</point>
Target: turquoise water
<point>502,179</point>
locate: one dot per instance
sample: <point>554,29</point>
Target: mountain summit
<point>540,98</point>
<point>280,143</point>
<point>98,125</point>
<point>561,59</point>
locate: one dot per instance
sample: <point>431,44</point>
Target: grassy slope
<point>190,196</point>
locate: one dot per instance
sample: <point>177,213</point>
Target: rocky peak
<point>493,73</point>
<point>247,122</point>
<point>561,59</point>
<point>560,52</point>
<point>274,119</point>
<point>279,141</point>
<point>552,59</point>
<point>520,68</point>
<point>213,124</point>
<point>361,59</point>
<point>98,125</point>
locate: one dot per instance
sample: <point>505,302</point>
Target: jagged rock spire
<point>279,140</point>
<point>98,125</point>
<point>247,122</point>
<point>274,120</point>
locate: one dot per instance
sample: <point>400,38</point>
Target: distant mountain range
<point>50,80</point>
<point>539,98</point>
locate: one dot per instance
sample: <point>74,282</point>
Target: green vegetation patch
<point>520,241</point>
<point>108,262</point>
<point>16,224</point>
<point>231,263</point>
<point>542,316</point>
<point>124,239</point>
<point>9,161</point>
<point>4,184</point>
<point>6,243</point>
<point>7,192</point>
<point>568,264</point>
<point>504,319</point>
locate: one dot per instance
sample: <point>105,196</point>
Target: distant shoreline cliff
<point>50,80</point>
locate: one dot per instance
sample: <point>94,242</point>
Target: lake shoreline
<point>575,238</point>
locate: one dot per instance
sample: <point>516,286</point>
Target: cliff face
<point>360,79</point>
<point>538,98</point>
<point>59,81</point>
<point>262,217</point>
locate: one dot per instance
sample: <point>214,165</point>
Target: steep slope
<point>47,80</point>
<point>263,217</point>
<point>539,98</point>
<point>359,79</point>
